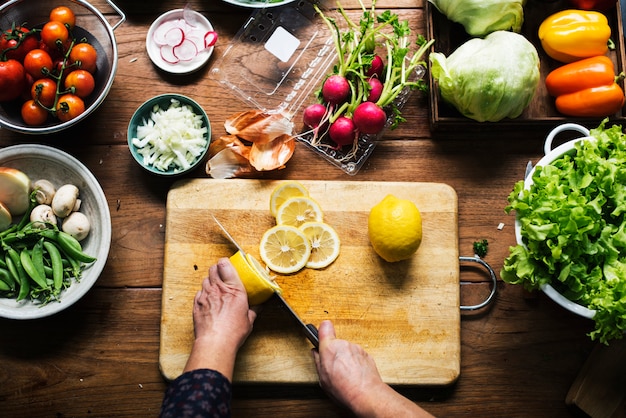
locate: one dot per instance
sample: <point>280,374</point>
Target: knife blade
<point>230,237</point>
<point>529,169</point>
<point>310,331</point>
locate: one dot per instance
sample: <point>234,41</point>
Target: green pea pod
<point>6,281</point>
<point>4,286</point>
<point>56,261</point>
<point>11,269</point>
<point>70,245</point>
<point>36,256</point>
<point>31,270</point>
<point>21,274</point>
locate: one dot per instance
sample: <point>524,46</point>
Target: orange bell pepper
<point>570,35</point>
<point>586,88</point>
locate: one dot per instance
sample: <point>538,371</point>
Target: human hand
<point>222,319</point>
<point>350,376</point>
<point>346,372</point>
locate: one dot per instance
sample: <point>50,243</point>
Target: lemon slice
<point>285,249</point>
<point>258,283</point>
<point>298,210</point>
<point>324,242</point>
<point>284,191</point>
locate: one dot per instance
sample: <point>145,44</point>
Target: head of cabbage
<point>481,17</point>
<point>488,79</point>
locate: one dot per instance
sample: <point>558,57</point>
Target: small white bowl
<point>201,25</point>
<point>45,162</point>
<point>258,4</point>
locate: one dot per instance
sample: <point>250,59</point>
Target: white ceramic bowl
<point>201,25</point>
<point>550,156</point>
<point>45,162</point>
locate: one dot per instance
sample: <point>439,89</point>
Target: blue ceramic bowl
<point>143,114</point>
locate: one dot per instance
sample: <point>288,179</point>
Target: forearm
<point>385,402</point>
<point>214,355</point>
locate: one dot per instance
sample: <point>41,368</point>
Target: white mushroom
<point>64,200</point>
<point>77,225</point>
<point>44,191</point>
<point>42,215</point>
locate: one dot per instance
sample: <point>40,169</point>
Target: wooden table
<point>100,357</point>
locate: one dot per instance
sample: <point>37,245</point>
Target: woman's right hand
<point>349,375</point>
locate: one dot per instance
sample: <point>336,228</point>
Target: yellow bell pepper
<point>571,35</point>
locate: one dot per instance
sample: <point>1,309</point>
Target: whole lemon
<point>395,228</point>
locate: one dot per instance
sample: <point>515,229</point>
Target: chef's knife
<point>310,331</point>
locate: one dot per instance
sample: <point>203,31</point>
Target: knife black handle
<point>311,333</point>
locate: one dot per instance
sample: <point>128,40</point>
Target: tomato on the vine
<point>85,57</point>
<point>44,91</point>
<point>64,15</point>
<point>69,106</point>
<point>33,114</point>
<point>12,80</point>
<point>38,63</point>
<point>16,42</point>
<point>81,82</point>
<point>55,35</point>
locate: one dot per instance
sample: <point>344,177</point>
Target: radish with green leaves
<point>374,66</point>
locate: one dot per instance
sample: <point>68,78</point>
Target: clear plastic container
<point>277,61</point>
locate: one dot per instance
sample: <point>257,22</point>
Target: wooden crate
<point>541,113</point>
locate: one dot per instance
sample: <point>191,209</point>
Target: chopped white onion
<point>171,138</point>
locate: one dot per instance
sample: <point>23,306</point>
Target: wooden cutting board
<point>405,314</point>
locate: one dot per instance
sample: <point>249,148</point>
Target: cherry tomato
<point>44,91</point>
<point>69,107</point>
<point>81,81</point>
<point>38,63</point>
<point>55,35</point>
<point>16,43</point>
<point>64,15</point>
<point>12,80</point>
<point>33,114</point>
<point>84,56</point>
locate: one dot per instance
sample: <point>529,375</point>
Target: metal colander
<point>90,24</point>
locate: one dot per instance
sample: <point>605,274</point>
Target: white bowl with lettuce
<point>571,227</point>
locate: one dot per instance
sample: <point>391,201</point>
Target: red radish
<point>335,89</point>
<point>369,118</point>
<point>342,131</point>
<point>167,54</point>
<point>376,89</point>
<point>376,68</point>
<point>313,115</point>
<point>210,38</point>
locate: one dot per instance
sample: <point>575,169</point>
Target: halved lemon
<point>298,210</point>
<point>284,249</point>
<point>258,283</point>
<point>284,191</point>
<point>324,242</point>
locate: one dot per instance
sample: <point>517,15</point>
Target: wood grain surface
<point>405,314</point>
<point>100,358</point>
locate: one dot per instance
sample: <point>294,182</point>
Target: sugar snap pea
<point>7,284</point>
<point>31,270</point>
<point>56,262</point>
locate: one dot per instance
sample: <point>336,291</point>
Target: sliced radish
<point>189,16</point>
<point>159,33</point>
<point>167,54</point>
<point>210,38</point>
<point>186,51</point>
<point>174,37</point>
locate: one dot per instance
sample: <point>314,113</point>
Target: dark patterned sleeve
<point>202,392</point>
